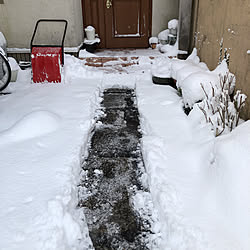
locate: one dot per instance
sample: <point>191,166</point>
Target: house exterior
<point>18,18</point>
<point>229,20</point>
<point>203,24</point>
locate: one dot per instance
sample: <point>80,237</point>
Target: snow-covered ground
<point>199,183</point>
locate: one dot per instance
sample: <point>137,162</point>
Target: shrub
<point>220,109</point>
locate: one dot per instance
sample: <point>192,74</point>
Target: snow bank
<point>32,125</point>
<point>162,67</point>
<point>13,64</point>
<point>41,158</point>
<point>74,68</point>
<point>199,184</point>
<point>232,173</point>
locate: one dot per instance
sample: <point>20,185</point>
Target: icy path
<point>113,178</point>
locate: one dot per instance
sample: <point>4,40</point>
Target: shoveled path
<point>112,174</point>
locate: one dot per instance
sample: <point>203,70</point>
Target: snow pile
<point>13,64</point>
<point>153,40</point>
<point>163,35</point>
<point>85,54</point>
<point>162,67</point>
<point>232,186</point>
<point>173,24</point>
<point>194,84</point>
<point>45,130</point>
<point>32,125</point>
<point>196,180</point>
<point>75,68</point>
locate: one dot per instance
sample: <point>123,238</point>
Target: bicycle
<point>5,70</point>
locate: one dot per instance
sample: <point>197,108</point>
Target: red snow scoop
<point>47,59</point>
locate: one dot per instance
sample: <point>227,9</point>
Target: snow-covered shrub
<point>162,67</point>
<point>219,109</point>
<point>191,85</point>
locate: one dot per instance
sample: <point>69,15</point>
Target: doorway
<point>119,23</point>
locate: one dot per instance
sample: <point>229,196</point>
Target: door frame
<point>96,16</point>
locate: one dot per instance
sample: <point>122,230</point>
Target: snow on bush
<point>177,64</point>
<point>162,68</point>
<point>189,80</point>
<point>163,35</point>
<point>191,89</point>
<point>173,24</point>
<point>222,112</point>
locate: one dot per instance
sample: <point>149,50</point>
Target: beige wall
<point>163,11</point>
<point>230,20</point>
<point>18,18</point>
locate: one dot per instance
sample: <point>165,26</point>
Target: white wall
<point>18,18</point>
<point>163,11</point>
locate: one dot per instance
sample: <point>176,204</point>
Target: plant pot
<point>153,45</point>
<point>164,81</point>
<point>163,42</point>
<point>90,33</point>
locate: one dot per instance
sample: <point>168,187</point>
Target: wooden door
<point>125,24</point>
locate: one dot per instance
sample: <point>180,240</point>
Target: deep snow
<point>199,183</point>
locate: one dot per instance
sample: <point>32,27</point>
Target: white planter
<point>90,33</point>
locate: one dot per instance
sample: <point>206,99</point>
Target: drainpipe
<point>185,22</point>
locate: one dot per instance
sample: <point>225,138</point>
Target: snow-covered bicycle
<point>5,70</point>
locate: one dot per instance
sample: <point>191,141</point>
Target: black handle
<point>47,45</point>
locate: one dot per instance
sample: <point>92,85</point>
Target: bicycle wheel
<point>5,72</point>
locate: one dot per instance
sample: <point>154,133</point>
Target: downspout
<point>185,24</point>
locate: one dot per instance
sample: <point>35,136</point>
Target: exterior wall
<point>18,18</point>
<point>230,20</point>
<point>163,11</point>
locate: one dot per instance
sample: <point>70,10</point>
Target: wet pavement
<point>112,176</point>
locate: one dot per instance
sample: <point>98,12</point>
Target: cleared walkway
<point>111,176</point>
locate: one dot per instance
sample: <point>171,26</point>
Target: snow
<point>84,54</point>
<point>199,184</point>
<point>161,68</point>
<point>153,40</point>
<point>13,64</point>
<point>163,35</point>
<point>173,24</point>
<point>89,28</point>
<point>90,42</point>
<point>29,126</point>
<point>40,165</point>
